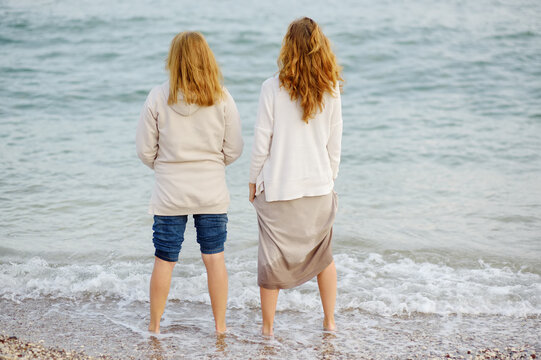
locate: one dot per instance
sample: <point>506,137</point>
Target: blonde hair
<point>193,70</point>
<point>307,66</point>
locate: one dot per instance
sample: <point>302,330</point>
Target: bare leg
<point>269,298</point>
<point>326,281</point>
<point>217,283</point>
<point>160,283</point>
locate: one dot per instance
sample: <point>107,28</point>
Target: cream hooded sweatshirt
<point>188,147</point>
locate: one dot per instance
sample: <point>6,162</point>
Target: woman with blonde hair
<point>295,157</point>
<point>188,131</point>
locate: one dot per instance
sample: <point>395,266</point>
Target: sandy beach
<point>12,347</point>
<point>40,329</point>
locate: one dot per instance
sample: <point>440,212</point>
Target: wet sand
<point>13,348</point>
<point>66,329</point>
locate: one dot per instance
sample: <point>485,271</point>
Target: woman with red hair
<point>189,130</point>
<point>295,158</point>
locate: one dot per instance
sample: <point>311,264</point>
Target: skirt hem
<point>302,280</point>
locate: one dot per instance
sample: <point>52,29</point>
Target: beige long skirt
<point>294,239</point>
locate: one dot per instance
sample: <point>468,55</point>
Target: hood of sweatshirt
<point>180,107</point>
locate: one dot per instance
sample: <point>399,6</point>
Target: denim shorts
<point>169,234</point>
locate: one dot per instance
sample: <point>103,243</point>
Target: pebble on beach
<point>13,348</point>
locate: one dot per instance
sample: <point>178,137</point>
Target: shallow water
<point>98,327</point>
<point>440,199</point>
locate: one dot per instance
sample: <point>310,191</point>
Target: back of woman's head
<point>308,67</point>
<point>193,70</point>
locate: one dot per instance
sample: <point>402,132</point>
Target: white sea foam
<point>374,284</point>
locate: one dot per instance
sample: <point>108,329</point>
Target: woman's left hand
<point>251,195</point>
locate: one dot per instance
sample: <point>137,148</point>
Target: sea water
<point>437,239</point>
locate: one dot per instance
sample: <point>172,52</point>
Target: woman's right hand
<point>251,196</point>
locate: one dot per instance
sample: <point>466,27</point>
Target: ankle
<point>154,329</point>
<point>328,323</point>
<point>221,328</point>
<point>267,330</point>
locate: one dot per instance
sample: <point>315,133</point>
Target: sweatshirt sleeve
<point>263,131</point>
<point>233,143</point>
<point>334,144</point>
<point>146,140</point>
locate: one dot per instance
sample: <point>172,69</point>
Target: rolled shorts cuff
<point>166,256</point>
<point>215,250</point>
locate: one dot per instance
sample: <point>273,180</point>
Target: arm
<point>146,140</point>
<point>334,144</point>
<point>233,143</point>
<point>262,132</point>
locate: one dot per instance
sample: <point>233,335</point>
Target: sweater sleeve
<point>233,143</point>
<point>263,131</point>
<point>334,144</point>
<point>146,140</point>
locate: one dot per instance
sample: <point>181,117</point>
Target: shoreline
<point>106,329</point>
<point>12,347</point>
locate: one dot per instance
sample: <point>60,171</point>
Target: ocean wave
<point>373,283</point>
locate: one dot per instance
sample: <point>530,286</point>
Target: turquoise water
<point>440,197</point>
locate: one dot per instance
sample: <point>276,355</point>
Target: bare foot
<point>329,325</point>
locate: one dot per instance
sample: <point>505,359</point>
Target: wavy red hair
<point>193,70</point>
<point>307,66</point>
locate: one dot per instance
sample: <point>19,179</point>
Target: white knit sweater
<point>188,147</point>
<point>292,159</point>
